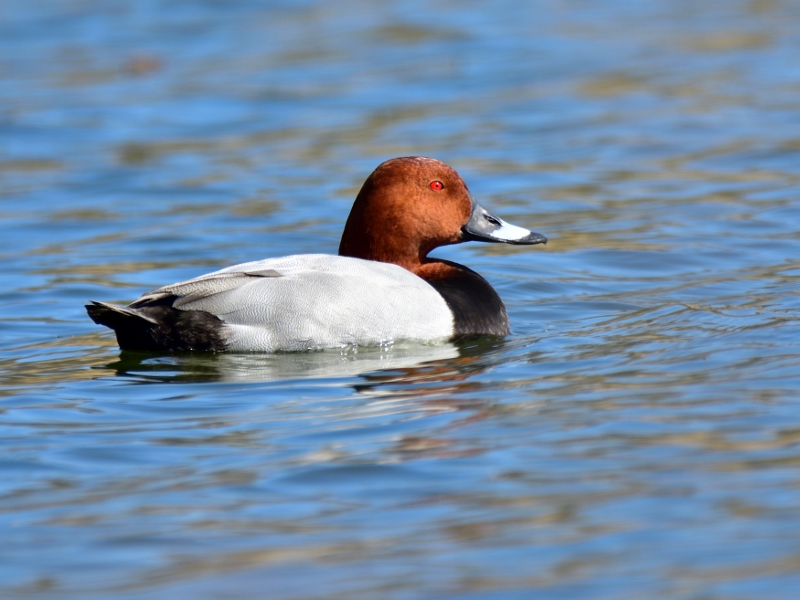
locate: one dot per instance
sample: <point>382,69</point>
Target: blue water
<point>638,434</point>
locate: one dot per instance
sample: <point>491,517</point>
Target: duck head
<point>408,206</point>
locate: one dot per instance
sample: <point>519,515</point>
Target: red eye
<point>437,186</point>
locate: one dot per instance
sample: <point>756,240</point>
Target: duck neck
<point>382,252</point>
<point>397,246</point>
<point>434,269</point>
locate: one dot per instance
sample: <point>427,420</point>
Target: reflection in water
<point>399,362</point>
<point>231,367</point>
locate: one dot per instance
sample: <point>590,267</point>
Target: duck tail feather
<point>160,328</point>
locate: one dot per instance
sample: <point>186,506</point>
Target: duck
<point>382,287</point>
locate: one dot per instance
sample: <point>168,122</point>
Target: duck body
<point>381,288</point>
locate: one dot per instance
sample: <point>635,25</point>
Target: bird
<point>382,286</point>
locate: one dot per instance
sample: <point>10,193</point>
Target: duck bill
<point>484,227</point>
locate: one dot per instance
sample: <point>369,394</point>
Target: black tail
<point>160,327</point>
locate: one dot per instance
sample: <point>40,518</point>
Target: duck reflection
<point>374,366</point>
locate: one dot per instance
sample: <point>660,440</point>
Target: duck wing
<point>292,303</point>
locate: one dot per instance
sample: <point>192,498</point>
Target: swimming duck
<point>381,287</point>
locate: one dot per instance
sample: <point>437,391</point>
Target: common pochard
<point>381,287</point>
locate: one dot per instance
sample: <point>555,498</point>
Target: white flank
<point>318,301</point>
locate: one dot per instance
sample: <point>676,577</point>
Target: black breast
<point>476,307</point>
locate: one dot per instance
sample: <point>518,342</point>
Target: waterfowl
<point>381,287</point>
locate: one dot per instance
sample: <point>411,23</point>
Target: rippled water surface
<point>638,434</point>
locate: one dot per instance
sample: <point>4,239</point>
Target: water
<point>638,434</point>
